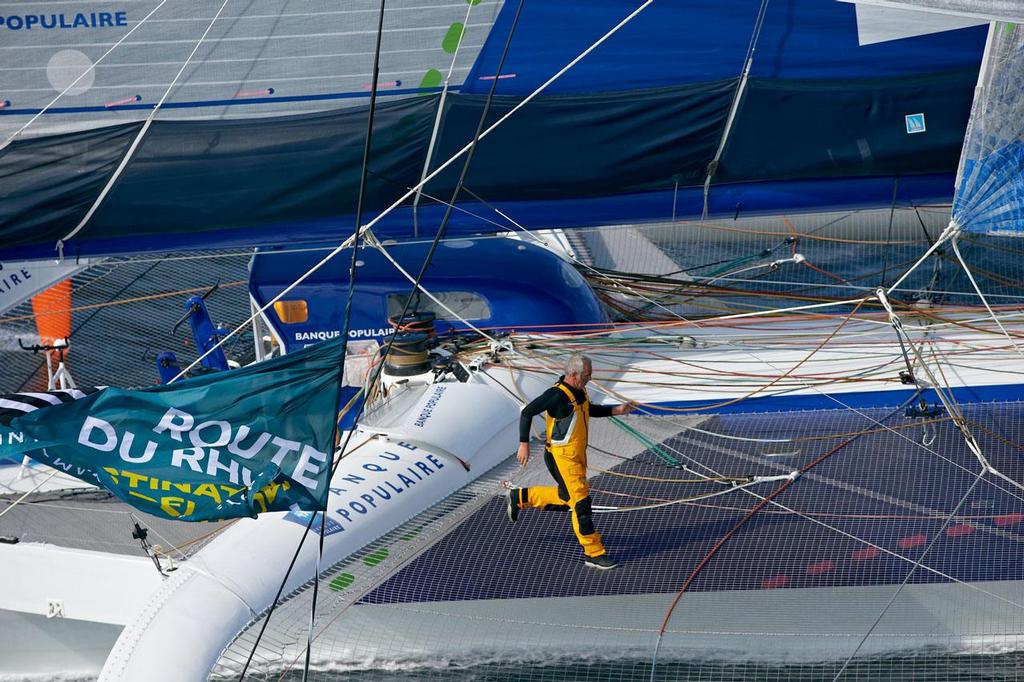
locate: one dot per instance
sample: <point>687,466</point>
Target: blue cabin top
<point>491,282</point>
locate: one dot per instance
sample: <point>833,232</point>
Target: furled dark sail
<point>260,132</point>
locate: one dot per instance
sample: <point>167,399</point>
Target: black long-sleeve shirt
<point>556,403</point>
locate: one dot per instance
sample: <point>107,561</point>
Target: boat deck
<point>862,516</point>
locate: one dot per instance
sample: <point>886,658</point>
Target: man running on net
<point>568,416</point>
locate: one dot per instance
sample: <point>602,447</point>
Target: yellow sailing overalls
<point>566,459</point>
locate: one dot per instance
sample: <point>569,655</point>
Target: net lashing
<point>123,313</point>
<point>706,269</point>
<point>459,593</point>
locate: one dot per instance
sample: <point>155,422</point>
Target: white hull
<point>34,646</point>
<point>65,608</point>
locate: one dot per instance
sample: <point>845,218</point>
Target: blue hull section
<point>859,400</point>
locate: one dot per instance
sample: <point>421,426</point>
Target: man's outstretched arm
<point>609,410</point>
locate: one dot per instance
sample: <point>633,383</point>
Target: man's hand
<point>523,454</point>
<point>624,408</point>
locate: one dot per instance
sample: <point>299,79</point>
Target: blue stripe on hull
<point>739,200</point>
<point>859,400</point>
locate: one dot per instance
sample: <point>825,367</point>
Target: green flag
<point>219,446</point>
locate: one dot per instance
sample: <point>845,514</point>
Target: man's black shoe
<point>512,505</point>
<point>601,563</point>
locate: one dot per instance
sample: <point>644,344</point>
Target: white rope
<point>437,123</point>
<point>38,486</point>
<point>935,384</point>
<point>796,258</point>
<point>738,438</point>
<point>951,230</point>
<point>138,138</point>
<point>910,573</point>
<point>847,534</point>
<point>977,290</point>
<point>734,108</point>
<point>398,202</point>
<point>777,311</point>
<point>82,75</point>
<point>601,509</point>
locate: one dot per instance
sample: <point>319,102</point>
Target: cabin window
<point>466,304</point>
<point>291,312</point>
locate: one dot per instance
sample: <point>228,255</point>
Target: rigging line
<point>277,597</point>
<point>888,236</point>
<point>346,325</point>
<point>771,383</point>
<point>39,485</point>
<point>517,398</point>
<point>974,284</point>
<point>920,221</point>
<point>82,75</point>
<point>763,253</point>
<point>443,227</point>
<point>463,209</point>
<point>734,529</point>
<point>897,326</point>
<point>675,198</point>
<point>948,402</point>
<point>740,438</point>
<point>725,273</point>
<point>123,301</point>
<point>194,541</point>
<point>741,88</point>
<point>801,235</point>
<point>544,243</point>
<point>659,479</point>
<point>813,519</point>
<point>437,171</point>
<point>599,509</point>
<point>437,125</point>
<point>910,573</point>
<point>991,469</point>
<point>138,138</point>
<point>951,230</point>
<point>416,286</point>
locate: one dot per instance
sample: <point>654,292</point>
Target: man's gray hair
<point>576,363</point>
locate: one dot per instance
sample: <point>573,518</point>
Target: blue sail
<point>990,193</point>
<point>271,153</point>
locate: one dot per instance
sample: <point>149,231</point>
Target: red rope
<point>732,531</point>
